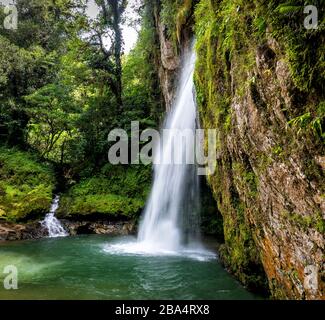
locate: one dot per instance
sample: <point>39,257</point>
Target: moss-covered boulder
<point>26,186</point>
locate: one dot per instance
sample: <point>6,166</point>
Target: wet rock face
<point>270,183</point>
<point>99,227</point>
<point>287,212</point>
<point>168,62</point>
<point>29,231</point>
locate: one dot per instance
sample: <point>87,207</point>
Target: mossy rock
<point>26,186</point>
<point>109,205</point>
<point>117,191</point>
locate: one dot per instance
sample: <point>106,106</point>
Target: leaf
<point>286,8</point>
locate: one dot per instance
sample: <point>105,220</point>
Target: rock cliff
<point>260,84</point>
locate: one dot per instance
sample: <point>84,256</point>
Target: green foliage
<point>105,189</point>
<point>52,114</point>
<point>103,57</point>
<point>116,191</point>
<point>221,29</point>
<point>315,221</point>
<point>311,122</point>
<point>277,151</point>
<point>287,8</point>
<point>168,16</point>
<point>246,178</point>
<point>26,185</point>
<point>109,205</point>
<point>228,34</point>
<point>28,59</point>
<point>61,90</point>
<point>132,181</point>
<point>304,48</point>
<point>174,15</point>
<point>61,94</point>
<point>320,223</point>
<point>141,90</point>
<point>239,252</point>
<point>211,218</point>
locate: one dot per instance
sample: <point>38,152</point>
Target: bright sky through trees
<point>130,35</point>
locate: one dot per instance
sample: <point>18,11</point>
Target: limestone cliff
<point>260,83</point>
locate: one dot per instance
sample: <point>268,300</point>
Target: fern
<point>307,122</point>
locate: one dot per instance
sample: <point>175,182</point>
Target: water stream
<point>51,223</point>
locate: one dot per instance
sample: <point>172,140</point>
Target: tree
<point>52,116</point>
<point>107,28</point>
<point>29,58</point>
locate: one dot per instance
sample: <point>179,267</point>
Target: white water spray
<point>51,223</point>
<point>171,225</point>
<point>171,216</point>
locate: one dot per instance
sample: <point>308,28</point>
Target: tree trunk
<point>117,11</point>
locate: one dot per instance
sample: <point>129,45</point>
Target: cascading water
<point>171,216</point>
<point>170,225</point>
<point>51,223</point>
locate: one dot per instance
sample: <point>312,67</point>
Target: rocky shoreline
<point>16,231</point>
<point>34,230</point>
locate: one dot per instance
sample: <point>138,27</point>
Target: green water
<point>84,268</point>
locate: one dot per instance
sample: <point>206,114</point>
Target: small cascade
<point>51,223</point>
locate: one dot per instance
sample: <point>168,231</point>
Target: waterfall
<point>170,223</point>
<point>171,217</point>
<point>51,223</point>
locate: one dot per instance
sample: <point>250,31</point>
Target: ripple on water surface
<point>101,267</point>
